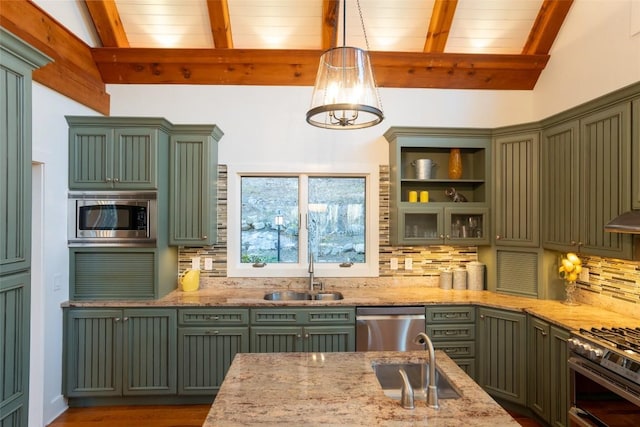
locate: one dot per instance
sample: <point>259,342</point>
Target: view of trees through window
<point>333,219</point>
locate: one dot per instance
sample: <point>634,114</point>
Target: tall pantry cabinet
<point>17,61</point>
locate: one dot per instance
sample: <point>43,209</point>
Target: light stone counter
<point>340,389</point>
<point>582,316</point>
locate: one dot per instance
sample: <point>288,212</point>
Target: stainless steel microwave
<point>122,218</point>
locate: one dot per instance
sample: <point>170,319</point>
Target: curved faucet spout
<point>432,390</point>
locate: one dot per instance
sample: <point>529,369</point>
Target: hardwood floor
<point>134,416</point>
<point>158,416</point>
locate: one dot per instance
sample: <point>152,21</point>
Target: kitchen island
<point>341,389</point>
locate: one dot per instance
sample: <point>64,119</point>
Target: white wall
<point>595,53</point>
<point>50,285</point>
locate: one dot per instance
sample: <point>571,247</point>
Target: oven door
<point>600,397</point>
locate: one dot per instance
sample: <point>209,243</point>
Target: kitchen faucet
<point>432,390</point>
<point>312,282</point>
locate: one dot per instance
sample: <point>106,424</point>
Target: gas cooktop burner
<point>621,338</point>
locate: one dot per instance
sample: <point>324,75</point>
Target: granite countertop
<point>569,317</point>
<point>337,389</point>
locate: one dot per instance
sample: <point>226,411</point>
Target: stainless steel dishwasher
<point>389,328</point>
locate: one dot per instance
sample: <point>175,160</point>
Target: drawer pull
<point>542,331</point>
<point>212,332</point>
<point>213,317</point>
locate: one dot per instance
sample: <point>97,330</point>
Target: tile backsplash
<point>427,260</point>
<point>613,283</point>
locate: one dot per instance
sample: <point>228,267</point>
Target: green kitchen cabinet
<point>440,220</point>
<point>193,185</point>
<point>452,329</point>
<point>121,273</point>
<point>460,225</point>
<point>548,391</point>
<point>208,340</point>
<point>123,153</point>
<point>502,354</point>
<point>17,62</point>
<point>586,169</point>
<point>326,329</point>
<point>517,189</point>
<point>120,352</point>
<point>635,152</point>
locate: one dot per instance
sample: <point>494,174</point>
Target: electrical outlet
<point>584,275</point>
<point>393,262</point>
<point>208,264</point>
<point>408,263</point>
<point>195,263</point>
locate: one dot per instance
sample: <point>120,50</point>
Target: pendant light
<point>345,94</point>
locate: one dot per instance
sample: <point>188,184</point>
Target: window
<point>278,219</point>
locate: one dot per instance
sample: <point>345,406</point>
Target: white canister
<point>475,276</point>
<point>460,278</point>
<point>446,279</point>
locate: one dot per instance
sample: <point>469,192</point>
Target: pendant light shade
<point>345,94</point>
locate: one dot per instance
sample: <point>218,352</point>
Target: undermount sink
<point>418,373</point>
<point>302,296</point>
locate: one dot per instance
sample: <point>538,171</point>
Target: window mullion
<point>303,203</point>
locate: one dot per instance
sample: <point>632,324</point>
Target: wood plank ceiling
<point>451,44</point>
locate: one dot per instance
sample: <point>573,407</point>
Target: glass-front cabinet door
<point>467,225</point>
<point>420,226</point>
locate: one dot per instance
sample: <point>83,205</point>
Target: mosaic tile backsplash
<point>611,283</point>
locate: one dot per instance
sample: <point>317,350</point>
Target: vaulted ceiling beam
<point>73,72</point>
<point>330,13</point>
<point>440,25</point>
<point>220,23</point>
<point>546,26</point>
<point>106,20</point>
<point>299,67</point>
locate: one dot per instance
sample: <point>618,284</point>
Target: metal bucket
<point>423,168</point>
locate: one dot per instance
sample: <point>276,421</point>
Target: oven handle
<point>581,418</point>
<point>598,374</point>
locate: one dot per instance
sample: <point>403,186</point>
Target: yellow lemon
<point>573,258</point>
<point>577,269</point>
<point>568,265</point>
<point>572,277</point>
<point>561,269</point>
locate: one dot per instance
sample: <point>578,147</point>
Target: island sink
<point>418,373</point>
<point>303,296</point>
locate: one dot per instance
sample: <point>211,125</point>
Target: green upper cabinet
<point>517,189</point>
<point>635,152</point>
<point>193,185</point>
<point>440,220</point>
<point>587,182</point>
<point>115,152</point>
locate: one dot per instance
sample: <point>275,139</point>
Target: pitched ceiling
<point>450,44</point>
<point>470,44</point>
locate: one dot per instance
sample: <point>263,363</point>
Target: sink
<point>302,296</point>
<point>287,296</point>
<point>418,373</point>
<point>328,295</point>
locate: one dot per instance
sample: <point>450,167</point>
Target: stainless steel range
<point>604,365</point>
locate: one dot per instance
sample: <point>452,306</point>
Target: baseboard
<point>84,402</point>
<point>56,406</point>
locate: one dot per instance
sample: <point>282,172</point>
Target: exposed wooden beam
<point>330,13</point>
<point>440,25</point>
<point>299,67</point>
<point>546,26</point>
<point>106,20</point>
<point>220,23</point>
<point>73,72</point>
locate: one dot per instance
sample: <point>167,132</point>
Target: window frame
<point>235,268</point>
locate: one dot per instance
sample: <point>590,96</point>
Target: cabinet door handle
<point>498,237</point>
<point>204,237</point>
<point>299,335</point>
<point>117,319</point>
<point>124,319</point>
<point>482,316</point>
<point>442,236</point>
<point>116,179</point>
<point>108,179</point>
<point>542,331</point>
<point>306,335</point>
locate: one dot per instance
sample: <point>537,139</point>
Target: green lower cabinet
<point>327,329</point>
<point>502,354</point>
<point>453,330</point>
<point>548,393</point>
<point>205,356</point>
<point>120,352</point>
<point>274,339</point>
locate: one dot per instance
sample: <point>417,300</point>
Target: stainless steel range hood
<point>628,222</point>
